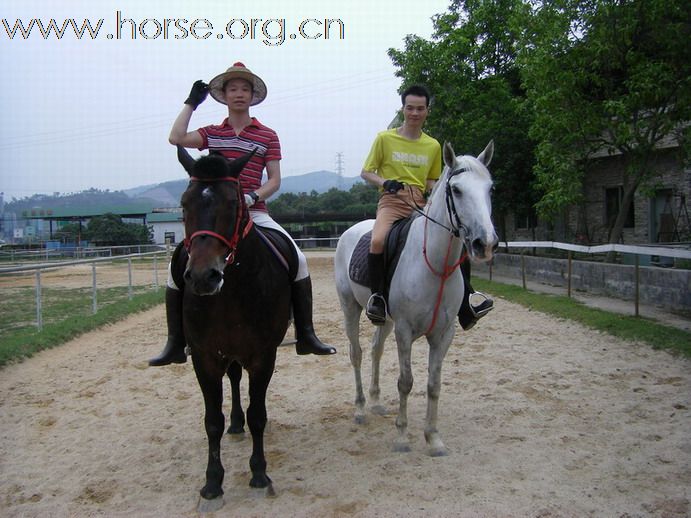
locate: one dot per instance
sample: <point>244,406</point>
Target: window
<point>613,197</point>
<point>169,237</point>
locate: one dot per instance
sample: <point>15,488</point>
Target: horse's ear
<point>486,156</point>
<point>449,155</point>
<point>239,163</point>
<point>185,159</point>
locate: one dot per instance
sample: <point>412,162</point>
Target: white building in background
<point>167,227</point>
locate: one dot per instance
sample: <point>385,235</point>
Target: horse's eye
<point>456,191</point>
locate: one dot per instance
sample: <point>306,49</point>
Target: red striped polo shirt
<point>224,139</point>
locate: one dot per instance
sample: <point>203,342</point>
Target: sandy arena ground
<point>541,416</point>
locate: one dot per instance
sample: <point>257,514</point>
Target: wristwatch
<point>254,196</point>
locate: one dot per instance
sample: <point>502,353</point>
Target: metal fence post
<point>39,309</point>
<point>94,303</point>
<point>129,274</point>
<point>637,273</point>
<point>569,276</point>
<point>155,272</point>
<point>523,269</point>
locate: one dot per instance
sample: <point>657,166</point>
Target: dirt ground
<point>541,416</point>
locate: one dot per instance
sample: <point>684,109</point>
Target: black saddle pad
<point>395,240</point>
<point>282,247</point>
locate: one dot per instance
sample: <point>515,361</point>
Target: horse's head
<point>467,190</point>
<point>216,218</point>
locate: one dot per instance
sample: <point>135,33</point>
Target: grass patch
<point>629,328</point>
<point>21,339</point>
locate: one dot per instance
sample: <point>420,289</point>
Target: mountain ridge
<point>168,193</point>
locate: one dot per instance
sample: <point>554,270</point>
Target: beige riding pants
<point>392,207</point>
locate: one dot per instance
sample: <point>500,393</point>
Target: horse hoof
<point>264,492</point>
<point>211,491</point>
<point>360,419</point>
<point>378,410</point>
<point>210,506</point>
<point>401,447</point>
<point>438,452</point>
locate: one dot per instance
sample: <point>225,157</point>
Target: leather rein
<point>238,233</point>
<point>455,230</point>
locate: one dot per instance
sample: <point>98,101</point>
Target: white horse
<point>427,287</point>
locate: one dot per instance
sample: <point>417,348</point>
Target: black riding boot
<point>174,350</point>
<point>468,315</point>
<point>376,305</point>
<point>307,341</point>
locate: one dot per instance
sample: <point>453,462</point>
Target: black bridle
<point>456,224</point>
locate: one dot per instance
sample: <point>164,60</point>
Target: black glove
<point>393,186</point>
<point>198,93</point>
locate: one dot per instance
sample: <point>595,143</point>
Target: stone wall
<point>663,287</point>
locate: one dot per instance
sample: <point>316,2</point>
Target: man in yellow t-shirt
<point>405,163</point>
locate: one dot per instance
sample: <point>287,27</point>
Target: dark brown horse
<point>236,306</point>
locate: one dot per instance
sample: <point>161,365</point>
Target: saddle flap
<point>358,269</point>
<point>282,247</point>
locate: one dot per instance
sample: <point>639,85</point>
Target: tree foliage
<point>605,75</point>
<point>358,203</point>
<point>554,81</point>
<point>470,67</point>
<point>110,230</point>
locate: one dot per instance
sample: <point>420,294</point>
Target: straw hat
<point>238,71</point>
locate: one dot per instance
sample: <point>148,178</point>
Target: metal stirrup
<point>483,312</point>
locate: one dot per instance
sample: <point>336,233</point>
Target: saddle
<point>282,248</point>
<point>277,242</point>
<point>358,269</point>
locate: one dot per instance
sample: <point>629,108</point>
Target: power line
<point>106,129</point>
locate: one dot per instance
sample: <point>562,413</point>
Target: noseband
<point>238,233</point>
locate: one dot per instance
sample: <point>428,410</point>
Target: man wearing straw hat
<point>238,88</point>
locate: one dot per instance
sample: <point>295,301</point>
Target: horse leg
<point>437,352</point>
<point>378,339</point>
<point>405,385</point>
<point>237,416</point>
<point>351,321</point>
<point>256,419</point>
<point>214,422</point>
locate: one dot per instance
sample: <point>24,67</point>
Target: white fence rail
<point>39,268</point>
<point>307,243</point>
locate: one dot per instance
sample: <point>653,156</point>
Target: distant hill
<point>169,193</point>
<point>147,197</point>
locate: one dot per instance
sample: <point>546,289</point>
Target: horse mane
<point>211,167</point>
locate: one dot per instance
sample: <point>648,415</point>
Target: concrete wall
<point>663,287</point>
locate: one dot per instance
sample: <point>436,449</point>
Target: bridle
<point>238,233</point>
<point>456,224</point>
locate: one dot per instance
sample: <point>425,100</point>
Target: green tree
<point>470,67</point>
<point>605,75</point>
<point>110,230</point>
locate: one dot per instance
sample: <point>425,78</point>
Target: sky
<point>96,112</point>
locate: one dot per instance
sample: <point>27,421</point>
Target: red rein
<point>231,243</point>
<point>444,275</point>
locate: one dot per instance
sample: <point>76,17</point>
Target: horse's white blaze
<point>426,290</point>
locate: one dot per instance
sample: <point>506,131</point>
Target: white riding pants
<point>263,220</point>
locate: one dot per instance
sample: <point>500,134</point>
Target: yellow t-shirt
<point>412,162</point>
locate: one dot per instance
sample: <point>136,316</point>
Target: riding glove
<point>393,186</point>
<point>198,93</point>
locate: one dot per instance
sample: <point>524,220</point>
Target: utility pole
<point>339,169</point>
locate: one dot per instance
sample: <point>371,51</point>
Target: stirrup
<point>483,307</point>
<point>376,301</point>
